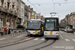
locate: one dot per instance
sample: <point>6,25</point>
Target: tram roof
<point>51,17</point>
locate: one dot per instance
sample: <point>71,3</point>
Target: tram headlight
<point>46,33</point>
<point>56,33</point>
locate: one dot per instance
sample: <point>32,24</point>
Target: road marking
<point>36,39</point>
<point>28,39</point>
<point>2,38</point>
<point>73,39</point>
<point>19,36</point>
<point>61,36</point>
<point>67,40</point>
<point>42,39</point>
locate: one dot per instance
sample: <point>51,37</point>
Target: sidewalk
<point>11,35</point>
<point>12,32</point>
<point>7,40</point>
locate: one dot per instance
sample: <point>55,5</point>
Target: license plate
<point>51,33</point>
<point>36,32</point>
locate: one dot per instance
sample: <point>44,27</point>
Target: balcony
<point>26,14</point>
<point>11,12</point>
<point>15,13</point>
<point>5,10</point>
<point>8,1</point>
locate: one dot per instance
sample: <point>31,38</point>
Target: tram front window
<point>34,26</point>
<point>49,26</point>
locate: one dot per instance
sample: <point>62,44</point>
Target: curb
<point>13,34</point>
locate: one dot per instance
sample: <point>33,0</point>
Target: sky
<point>45,7</point>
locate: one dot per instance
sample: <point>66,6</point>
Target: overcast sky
<point>47,6</point>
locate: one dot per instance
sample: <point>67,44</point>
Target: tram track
<point>45,45</point>
<point>44,42</point>
<point>33,45</point>
<point>13,41</point>
<point>16,42</point>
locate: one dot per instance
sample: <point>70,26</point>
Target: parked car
<point>65,30</point>
<point>70,30</point>
<point>62,29</point>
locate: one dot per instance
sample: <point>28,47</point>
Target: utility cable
<point>33,5</point>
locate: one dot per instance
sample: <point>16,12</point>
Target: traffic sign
<point>7,23</point>
<point>74,25</point>
<point>74,22</point>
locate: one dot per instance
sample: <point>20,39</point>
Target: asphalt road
<point>65,42</point>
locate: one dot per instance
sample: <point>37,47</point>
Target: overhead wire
<point>54,5</point>
<point>33,5</point>
<point>53,2</point>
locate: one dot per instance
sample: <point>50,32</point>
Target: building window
<point>2,1</point>
<point>17,3</point>
<point>8,5</point>
<point>17,10</point>
<point>7,20</point>
<point>1,22</point>
<point>12,0</point>
<point>13,6</point>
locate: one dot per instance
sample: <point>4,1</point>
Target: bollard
<point>12,33</point>
<point>17,33</point>
<point>74,32</point>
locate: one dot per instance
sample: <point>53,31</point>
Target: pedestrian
<point>5,30</point>
<point>2,31</point>
<point>9,31</point>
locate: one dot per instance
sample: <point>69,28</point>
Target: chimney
<point>29,6</point>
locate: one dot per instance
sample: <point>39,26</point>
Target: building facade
<point>22,12</point>
<point>15,12</point>
<point>69,21</point>
<point>18,10</point>
<point>8,13</point>
<point>66,19</point>
<point>42,18</point>
<point>29,12</point>
<point>33,15</point>
<point>72,20</point>
<point>38,16</point>
<point>63,23</point>
<point>26,14</point>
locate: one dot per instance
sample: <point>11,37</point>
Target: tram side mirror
<point>42,28</point>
